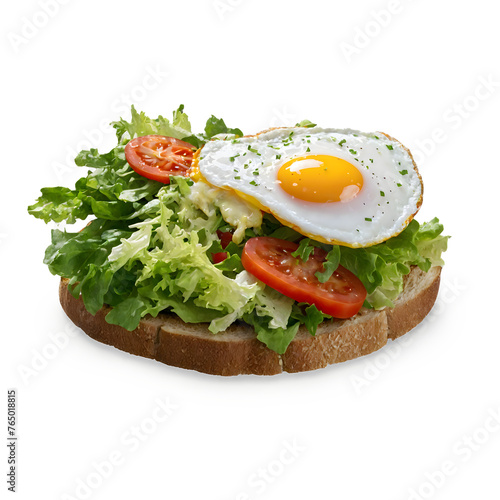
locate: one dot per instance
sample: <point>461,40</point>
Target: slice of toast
<point>236,351</point>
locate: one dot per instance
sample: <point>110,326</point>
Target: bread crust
<point>236,351</point>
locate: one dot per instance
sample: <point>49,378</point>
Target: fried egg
<point>336,186</point>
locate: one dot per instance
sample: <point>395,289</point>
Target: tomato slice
<point>157,157</point>
<point>271,261</point>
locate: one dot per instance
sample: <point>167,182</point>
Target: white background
<point>380,427</point>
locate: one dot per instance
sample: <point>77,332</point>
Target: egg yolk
<point>320,179</point>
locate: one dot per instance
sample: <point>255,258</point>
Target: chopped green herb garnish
<point>353,152</point>
<point>389,147</point>
<point>403,172</point>
<point>233,157</point>
<point>382,193</point>
<point>278,157</point>
<point>399,185</point>
<point>342,142</point>
<point>253,183</point>
<point>368,219</point>
<point>308,150</point>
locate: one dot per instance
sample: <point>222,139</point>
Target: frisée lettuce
<point>148,247</point>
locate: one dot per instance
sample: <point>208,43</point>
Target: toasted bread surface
<point>236,351</point>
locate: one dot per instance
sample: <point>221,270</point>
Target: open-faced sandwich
<point>287,250</point>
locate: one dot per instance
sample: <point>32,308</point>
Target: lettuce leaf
<point>381,267</point>
<point>141,125</point>
<point>214,126</point>
<point>82,258</point>
<point>112,191</point>
<point>59,204</point>
<point>277,339</point>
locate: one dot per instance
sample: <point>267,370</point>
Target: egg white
<point>390,196</point>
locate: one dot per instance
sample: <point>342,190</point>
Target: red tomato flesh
<point>157,157</point>
<point>225,238</point>
<point>219,257</point>
<point>271,261</point>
